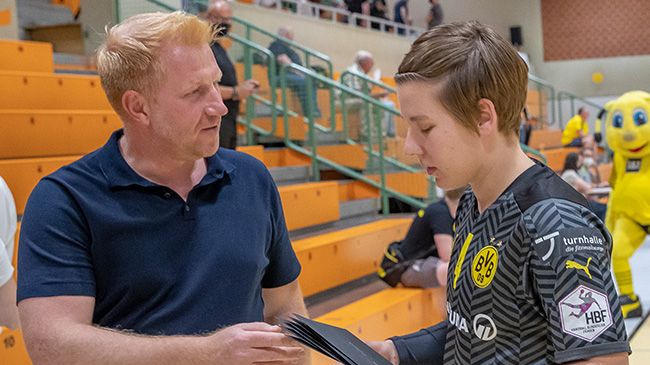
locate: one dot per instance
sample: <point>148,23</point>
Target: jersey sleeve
<point>569,277</point>
<point>54,251</point>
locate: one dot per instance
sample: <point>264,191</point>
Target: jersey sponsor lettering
<point>570,241</point>
<point>585,313</point>
<point>483,327</point>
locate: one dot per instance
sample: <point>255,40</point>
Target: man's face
<point>185,111</point>
<point>366,64</point>
<point>446,149</point>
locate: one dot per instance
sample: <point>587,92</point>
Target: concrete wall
<point>339,41</point>
<point>10,30</point>
<point>97,14</point>
<point>621,74</point>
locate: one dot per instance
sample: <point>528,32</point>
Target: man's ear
<point>488,121</point>
<point>135,106</point>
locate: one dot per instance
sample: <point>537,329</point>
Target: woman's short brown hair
<point>474,63</point>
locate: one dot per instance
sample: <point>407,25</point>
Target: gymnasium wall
<point>8,19</point>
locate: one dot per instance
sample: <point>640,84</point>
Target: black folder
<point>334,342</point>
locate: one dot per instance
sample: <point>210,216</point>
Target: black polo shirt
<point>154,263</point>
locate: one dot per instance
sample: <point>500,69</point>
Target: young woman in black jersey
<point>526,249</point>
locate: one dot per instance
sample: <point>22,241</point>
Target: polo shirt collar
<point>118,173</point>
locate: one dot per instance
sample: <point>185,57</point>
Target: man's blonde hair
<point>129,58</point>
<point>474,63</point>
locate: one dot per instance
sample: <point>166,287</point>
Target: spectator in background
<point>525,128</point>
<point>8,310</point>
<point>401,15</point>
<point>576,131</point>
<point>378,10</point>
<point>357,6</point>
<point>285,55</point>
<point>219,13</point>
<point>422,258</point>
<point>435,16</point>
<point>363,65</point>
<point>589,171</point>
<point>571,174</point>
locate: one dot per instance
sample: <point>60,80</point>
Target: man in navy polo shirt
<point>146,250</point>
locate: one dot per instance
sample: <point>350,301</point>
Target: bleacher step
<point>340,296</point>
<point>290,174</point>
<point>359,207</point>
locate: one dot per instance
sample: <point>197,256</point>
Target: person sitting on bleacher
<point>422,258</point>
<point>8,310</point>
<point>364,63</point>
<point>589,170</point>
<point>160,247</point>
<point>571,174</point>
<point>285,55</point>
<point>576,131</point>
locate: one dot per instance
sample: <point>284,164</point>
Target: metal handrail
<point>272,77</point>
<point>572,98</point>
<point>308,52</point>
<point>545,84</point>
<point>366,80</point>
<point>311,143</point>
<point>387,26</point>
<point>313,9</point>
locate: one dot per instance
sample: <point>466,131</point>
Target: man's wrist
<point>235,94</point>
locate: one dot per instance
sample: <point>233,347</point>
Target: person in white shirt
<point>363,65</point>
<point>8,310</point>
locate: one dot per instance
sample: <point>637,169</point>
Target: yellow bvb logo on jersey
<point>484,266</point>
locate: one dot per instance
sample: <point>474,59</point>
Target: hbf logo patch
<point>484,266</point>
<point>585,313</point>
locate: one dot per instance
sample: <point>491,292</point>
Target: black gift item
<point>336,343</point>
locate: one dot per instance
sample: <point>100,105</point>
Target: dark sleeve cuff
<point>588,352</point>
<point>427,346</point>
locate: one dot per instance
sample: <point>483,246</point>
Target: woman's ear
<point>488,121</point>
<point>135,106</point>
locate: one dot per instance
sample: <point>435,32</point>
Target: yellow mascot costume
<point>628,211</point>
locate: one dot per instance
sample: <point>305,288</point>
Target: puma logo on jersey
<point>570,264</point>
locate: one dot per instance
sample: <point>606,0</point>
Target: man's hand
<point>283,59</point>
<point>386,349</point>
<point>247,88</point>
<point>253,343</point>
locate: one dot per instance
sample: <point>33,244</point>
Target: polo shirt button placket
<point>167,195</point>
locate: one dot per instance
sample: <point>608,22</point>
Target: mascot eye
<point>617,120</point>
<point>640,117</point>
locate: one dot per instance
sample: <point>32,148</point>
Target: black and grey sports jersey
<point>529,279</point>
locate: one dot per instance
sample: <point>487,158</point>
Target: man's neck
<point>157,165</point>
<point>504,167</point>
